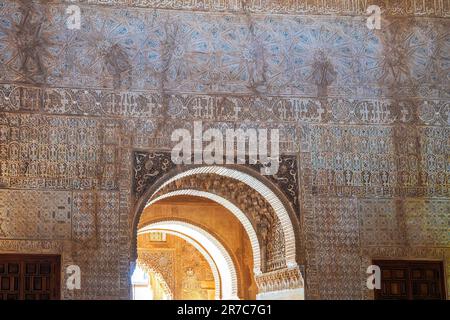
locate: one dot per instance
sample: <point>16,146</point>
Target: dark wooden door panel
<point>410,280</point>
<point>29,277</point>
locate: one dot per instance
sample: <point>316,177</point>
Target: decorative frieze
<point>289,278</point>
<point>191,107</point>
<point>421,8</point>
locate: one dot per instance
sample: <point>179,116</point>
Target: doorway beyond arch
<point>233,209</point>
<point>219,259</point>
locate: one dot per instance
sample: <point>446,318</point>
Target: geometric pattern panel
<point>55,153</point>
<point>100,272</point>
<point>348,160</point>
<point>84,217</point>
<point>383,161</point>
<point>96,217</point>
<point>31,214</point>
<point>381,225</point>
<point>428,222</point>
<point>433,162</point>
<point>96,235</point>
<point>337,248</point>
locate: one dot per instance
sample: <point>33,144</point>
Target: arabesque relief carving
<point>364,120</point>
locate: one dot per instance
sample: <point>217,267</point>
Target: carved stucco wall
<point>366,115</point>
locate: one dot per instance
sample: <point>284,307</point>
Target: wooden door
<point>411,280</point>
<point>29,277</point>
